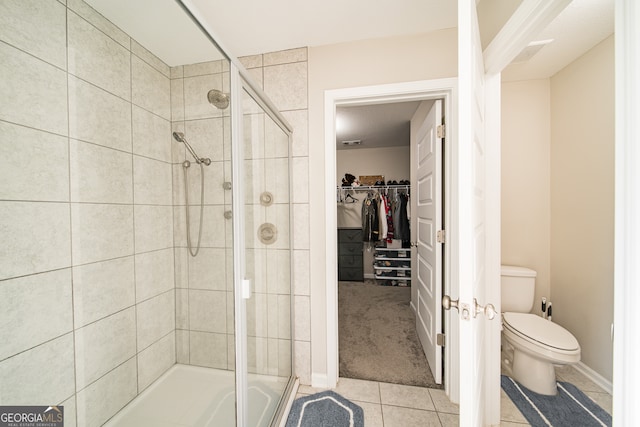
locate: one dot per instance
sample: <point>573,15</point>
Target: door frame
<point>445,89</point>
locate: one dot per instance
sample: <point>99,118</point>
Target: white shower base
<point>192,396</point>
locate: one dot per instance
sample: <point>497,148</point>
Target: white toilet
<point>531,345</point>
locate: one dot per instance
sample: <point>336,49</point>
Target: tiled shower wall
<point>283,77</point>
<point>87,295</point>
<point>204,284</point>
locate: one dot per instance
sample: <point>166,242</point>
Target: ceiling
<point>247,27</point>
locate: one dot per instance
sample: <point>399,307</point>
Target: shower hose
<point>186,196</point>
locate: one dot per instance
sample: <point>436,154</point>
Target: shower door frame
<point>240,79</point>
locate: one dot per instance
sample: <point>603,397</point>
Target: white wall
<point>369,62</point>
<point>526,163</point>
<point>390,162</point>
<point>582,202</point>
<point>557,195</point>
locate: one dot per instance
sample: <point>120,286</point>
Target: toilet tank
<point>517,288</point>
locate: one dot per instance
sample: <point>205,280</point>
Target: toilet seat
<point>540,331</point>
<point>538,345</point>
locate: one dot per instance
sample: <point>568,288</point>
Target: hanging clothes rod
<point>375,187</point>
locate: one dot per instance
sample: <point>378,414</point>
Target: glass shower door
<point>267,261</point>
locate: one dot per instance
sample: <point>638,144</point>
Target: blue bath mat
<point>325,409</point>
<point>570,407</point>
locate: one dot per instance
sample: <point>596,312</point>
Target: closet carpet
<point>377,335</point>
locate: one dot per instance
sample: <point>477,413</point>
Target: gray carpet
<point>378,339</point>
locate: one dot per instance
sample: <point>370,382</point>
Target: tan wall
<point>401,59</point>
<point>582,202</point>
<point>526,209</point>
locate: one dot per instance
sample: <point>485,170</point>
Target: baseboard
<point>369,276</point>
<point>319,381</point>
<point>595,377</point>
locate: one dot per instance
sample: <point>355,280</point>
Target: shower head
<point>218,99</point>
<point>179,137</point>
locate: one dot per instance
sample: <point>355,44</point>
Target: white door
<point>472,236</point>
<point>427,275</point>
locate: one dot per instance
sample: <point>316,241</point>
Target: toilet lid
<point>541,330</point>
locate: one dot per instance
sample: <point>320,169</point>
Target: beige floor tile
<point>306,389</point>
<point>361,390</point>
<point>449,420</point>
<point>442,402</point>
<point>510,424</point>
<point>509,411</point>
<point>372,414</point>
<point>395,416</point>
<point>570,375</point>
<point>604,400</point>
<point>406,396</point>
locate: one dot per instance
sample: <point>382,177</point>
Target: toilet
<point>531,344</point>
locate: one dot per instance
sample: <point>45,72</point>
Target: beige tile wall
<point>204,286</point>
<point>95,279</point>
<point>86,212</point>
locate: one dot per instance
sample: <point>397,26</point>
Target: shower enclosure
<point>145,277</point>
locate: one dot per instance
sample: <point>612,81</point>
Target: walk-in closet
<point>378,337</point>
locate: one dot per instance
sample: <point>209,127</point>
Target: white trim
<point>531,17</point>
<point>395,92</point>
<point>320,381</point>
<point>412,307</point>
<point>238,208</point>
<point>601,381</point>
<point>626,371</point>
<point>493,112</point>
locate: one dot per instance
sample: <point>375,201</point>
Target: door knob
<point>447,302</point>
<point>488,310</point>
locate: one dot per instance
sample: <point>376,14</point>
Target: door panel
<point>429,253</point>
<point>472,224</point>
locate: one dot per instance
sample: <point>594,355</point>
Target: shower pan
<point>132,328</point>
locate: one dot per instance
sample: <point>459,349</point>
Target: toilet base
<point>535,374</point>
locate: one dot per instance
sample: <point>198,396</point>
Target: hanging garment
<point>370,226</point>
<point>396,217</point>
<point>404,232</point>
<point>382,218</point>
<point>389,219</point>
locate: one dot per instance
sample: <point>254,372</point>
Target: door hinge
<point>441,236</point>
<point>440,340</point>
<point>440,131</point>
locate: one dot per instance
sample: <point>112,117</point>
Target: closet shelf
<point>376,187</point>
<point>384,258</point>
<point>402,278</point>
<point>377,267</point>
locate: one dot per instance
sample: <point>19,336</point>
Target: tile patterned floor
<point>391,405</point>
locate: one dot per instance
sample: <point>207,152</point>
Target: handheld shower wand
<point>179,136</point>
